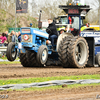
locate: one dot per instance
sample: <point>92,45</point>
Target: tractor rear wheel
<point>63,51</point>
<point>42,55</point>
<point>11,51</point>
<point>31,55</point>
<point>23,59</point>
<point>78,52</point>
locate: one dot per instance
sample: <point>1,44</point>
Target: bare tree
<point>69,1</point>
<point>51,10</point>
<point>95,12</point>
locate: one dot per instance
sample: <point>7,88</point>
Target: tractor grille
<point>26,38</point>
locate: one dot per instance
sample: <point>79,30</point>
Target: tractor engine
<point>32,38</point>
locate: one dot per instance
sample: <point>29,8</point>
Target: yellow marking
<point>96,28</point>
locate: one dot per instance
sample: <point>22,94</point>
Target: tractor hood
<point>34,31</point>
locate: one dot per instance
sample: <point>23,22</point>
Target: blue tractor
<point>73,48</point>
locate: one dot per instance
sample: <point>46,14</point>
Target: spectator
<point>6,34</point>
<point>0,34</point>
<point>13,36</point>
<point>3,39</point>
<point>9,39</point>
<point>62,31</point>
<point>19,36</point>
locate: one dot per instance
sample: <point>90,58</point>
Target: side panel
<point>97,49</point>
<point>94,34</point>
<point>91,44</point>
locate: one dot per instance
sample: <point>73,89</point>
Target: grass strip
<point>43,79</point>
<point>9,62</point>
<point>6,62</point>
<point>5,58</point>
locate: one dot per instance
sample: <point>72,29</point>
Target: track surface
<point>17,71</point>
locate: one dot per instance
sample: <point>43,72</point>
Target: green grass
<point>5,62</point>
<point>4,58</point>
<point>43,79</point>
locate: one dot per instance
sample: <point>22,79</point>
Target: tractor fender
<point>60,38</point>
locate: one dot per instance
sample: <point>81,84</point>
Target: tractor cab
<point>74,17</point>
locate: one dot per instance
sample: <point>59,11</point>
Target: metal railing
<point>3,49</point>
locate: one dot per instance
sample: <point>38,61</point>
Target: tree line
<point>49,9</point>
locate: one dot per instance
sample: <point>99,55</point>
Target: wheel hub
<point>80,52</point>
<point>44,55</point>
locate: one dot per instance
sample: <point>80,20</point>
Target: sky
<point>41,2</point>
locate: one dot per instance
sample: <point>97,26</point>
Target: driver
<point>52,31</point>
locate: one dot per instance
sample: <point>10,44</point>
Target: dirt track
<point>17,71</point>
<point>82,93</point>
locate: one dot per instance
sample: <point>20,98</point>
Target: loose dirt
<point>82,93</point>
<point>18,71</point>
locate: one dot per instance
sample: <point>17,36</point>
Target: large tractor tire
<point>63,51</point>
<point>11,51</point>
<point>78,52</point>
<point>23,59</point>
<point>31,55</point>
<point>97,59</point>
<point>42,55</point>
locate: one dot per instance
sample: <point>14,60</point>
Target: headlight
<point>25,37</point>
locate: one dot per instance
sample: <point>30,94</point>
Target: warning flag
<point>21,6</point>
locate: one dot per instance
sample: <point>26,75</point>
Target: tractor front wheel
<point>42,55</point>
<point>11,51</point>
